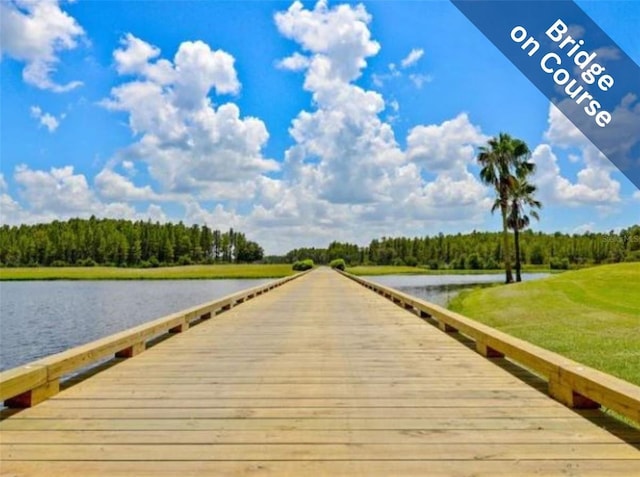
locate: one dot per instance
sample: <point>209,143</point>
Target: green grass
<point>162,273</point>
<point>365,270</point>
<point>590,315</point>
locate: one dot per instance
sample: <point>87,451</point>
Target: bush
<point>58,263</point>
<point>184,260</point>
<point>434,264</point>
<point>473,262</point>
<point>559,264</point>
<point>459,263</point>
<point>87,262</point>
<point>491,264</point>
<point>338,264</point>
<point>411,261</point>
<point>397,262</point>
<point>302,265</point>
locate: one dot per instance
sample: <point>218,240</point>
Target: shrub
<point>338,264</point>
<point>473,262</point>
<point>434,264</point>
<point>184,260</point>
<point>411,261</point>
<point>87,262</point>
<point>58,263</point>
<point>559,264</point>
<point>154,262</point>
<point>491,264</point>
<point>302,265</point>
<point>397,262</point>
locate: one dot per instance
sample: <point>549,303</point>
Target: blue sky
<point>298,123</point>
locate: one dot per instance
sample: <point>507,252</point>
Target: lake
<point>40,318</point>
<point>439,289</point>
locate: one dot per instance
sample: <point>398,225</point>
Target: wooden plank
<point>315,436</point>
<point>576,424</point>
<point>359,468</point>
<point>303,452</point>
<point>298,412</point>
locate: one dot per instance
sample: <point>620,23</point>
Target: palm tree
<point>521,197</point>
<point>503,160</point>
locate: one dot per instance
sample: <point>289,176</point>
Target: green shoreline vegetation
<point>591,316</point>
<point>190,272</point>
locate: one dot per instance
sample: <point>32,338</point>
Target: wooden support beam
<point>181,328</point>
<point>34,396</point>
<point>487,351</point>
<point>563,392</point>
<point>446,328</point>
<point>132,350</point>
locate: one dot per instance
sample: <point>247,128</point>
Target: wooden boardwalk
<point>318,377</point>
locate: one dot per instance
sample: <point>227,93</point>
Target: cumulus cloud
<point>346,177</point>
<point>449,146</point>
<point>188,145</point>
<point>36,32</point>
<point>45,119</point>
<point>111,185</point>
<point>412,58</point>
<point>60,194</point>
<point>594,184</point>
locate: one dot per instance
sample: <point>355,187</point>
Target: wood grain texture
<point>318,377</point>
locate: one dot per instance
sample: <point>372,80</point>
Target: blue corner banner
<point>568,57</point>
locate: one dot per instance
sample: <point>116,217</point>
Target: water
<point>39,318</point>
<point>440,289</point>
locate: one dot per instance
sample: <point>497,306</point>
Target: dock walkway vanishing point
<point>320,376</point>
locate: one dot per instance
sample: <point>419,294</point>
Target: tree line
<point>483,250</point>
<point>111,242</point>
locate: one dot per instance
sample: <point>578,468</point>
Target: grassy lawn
<point>162,273</point>
<point>393,270</point>
<point>590,315</point>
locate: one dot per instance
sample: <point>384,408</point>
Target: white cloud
<point>412,58</point>
<point>419,80</point>
<point>36,32</point>
<point>45,119</point>
<point>188,145</point>
<point>60,194</point>
<point>3,183</point>
<point>449,146</point>
<point>584,228</point>
<point>58,191</point>
<point>594,183</point>
<point>338,37</point>
<point>111,185</point>
<point>295,62</point>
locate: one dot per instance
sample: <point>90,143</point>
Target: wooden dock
<point>320,376</point>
